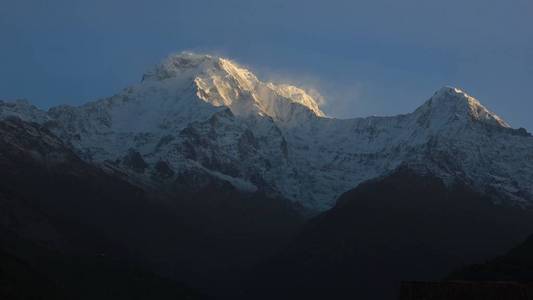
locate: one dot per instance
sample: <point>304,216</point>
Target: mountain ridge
<point>203,113</point>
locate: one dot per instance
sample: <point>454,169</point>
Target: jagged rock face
<point>201,113</point>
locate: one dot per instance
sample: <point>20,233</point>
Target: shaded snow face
<point>208,116</point>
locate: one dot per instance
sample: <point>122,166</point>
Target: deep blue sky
<point>372,57</point>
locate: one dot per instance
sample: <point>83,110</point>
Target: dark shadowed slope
<point>516,265</point>
<point>64,225</point>
<point>509,276</point>
<point>405,226</point>
<point>95,235</point>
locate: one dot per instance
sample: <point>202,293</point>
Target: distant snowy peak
<point>222,82</point>
<point>452,105</point>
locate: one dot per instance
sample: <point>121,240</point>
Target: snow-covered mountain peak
<point>181,64</point>
<point>452,96</point>
<point>452,105</point>
<point>222,82</point>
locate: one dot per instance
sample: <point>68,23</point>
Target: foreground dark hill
<point>509,276</point>
<point>405,226</point>
<point>516,266</point>
<point>64,225</point>
<point>90,234</point>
